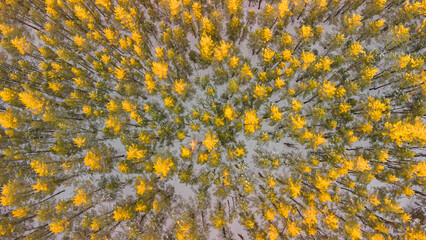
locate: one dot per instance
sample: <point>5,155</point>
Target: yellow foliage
<point>40,186</point>
<point>234,6</point>
<point>294,188</point>
<point>292,229</point>
<point>355,49</point>
<point>307,58</point>
<point>20,212</point>
<point>210,141</point>
<point>296,105</point>
<point>283,9</point>
<point>40,168</point>
<point>58,226</point>
<point>160,69</point>
<point>251,121</point>
<point>260,91</point>
<point>8,119</point>
<point>331,221</point>
<point>113,122</point>
<point>32,100</point>
<point>246,71</point>
<point>185,152</point>
<point>21,44</point>
<point>298,121</point>
<point>353,231</point>
<point>80,198</point>
<point>169,102</point>
<point>276,115</point>
<point>310,216</point>
<point>179,86</point>
<point>354,21</point>
<point>266,35</point>
<point>206,46</point>
<point>92,160</point>
<point>162,166</point>
<point>268,54</point>
<point>79,40</point>
<point>328,89</point>
<point>8,95</point>
<point>134,153</point>
<point>122,214</point>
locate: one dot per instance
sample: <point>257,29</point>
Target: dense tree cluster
<point>212,119</point>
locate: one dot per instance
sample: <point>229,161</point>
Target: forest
<point>212,119</point>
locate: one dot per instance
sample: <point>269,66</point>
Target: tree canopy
<point>212,119</point>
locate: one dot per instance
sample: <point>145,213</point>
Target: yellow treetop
<point>222,51</point>
<point>307,58</point>
<point>296,105</point>
<point>160,69</point>
<point>140,186</point>
<point>259,91</point>
<point>234,6</point>
<point>298,121</point>
<point>122,214</point>
<point>266,35</point>
<point>9,193</point>
<point>92,160</point>
<point>162,167</point>
<point>20,212</point>
<point>283,9</point>
<point>323,64</point>
<point>8,119</point>
<point>268,54</point>
<point>210,141</point>
<point>40,168</point>
<point>294,188</point>
<point>58,226</point>
<point>134,153</point>
<point>376,109</point>
<point>404,131</point>
<point>251,121</point>
<point>401,33</point>
<point>355,49</point>
<point>310,216</point>
<point>246,71</point>
<point>353,231</point>
<point>179,86</point>
<point>197,9</point>
<point>354,21</point>
<point>327,90</point>
<point>21,44</point>
<point>40,186</point>
<point>104,3</point>
<point>81,13</point>
<point>32,100</point>
<point>185,152</point>
<point>368,73</point>
<point>306,32</point>
<point>113,122</point>
<point>150,83</point>
<point>331,221</point>
<point>174,7</point>
<point>206,46</point>
<point>79,40</point>
<point>169,102</point>
<point>318,140</point>
<point>8,95</point>
<point>292,229</point>
<point>276,115</point>
<point>80,198</point>
<point>229,112</point>
<point>361,164</point>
